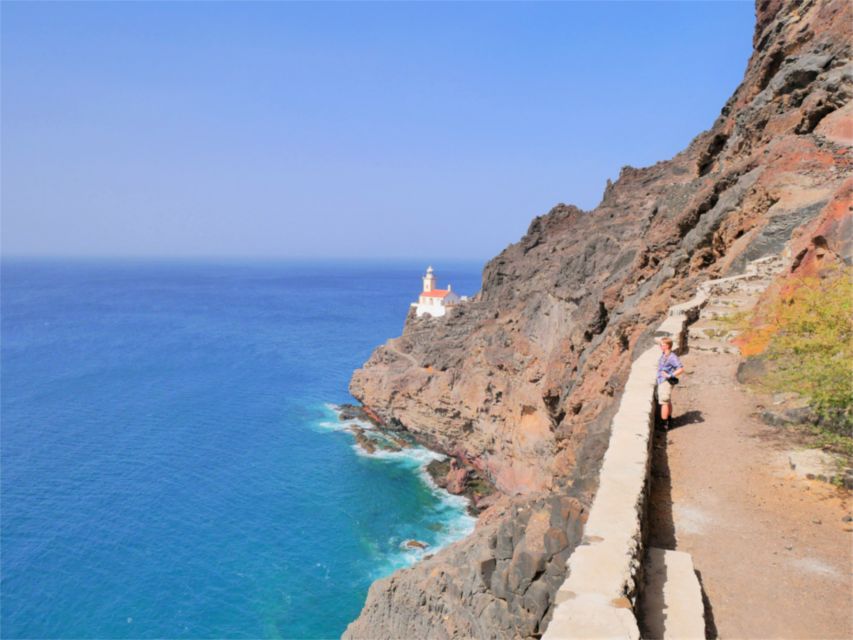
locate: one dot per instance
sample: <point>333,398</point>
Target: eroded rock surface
<point>497,583</point>
<point>520,383</point>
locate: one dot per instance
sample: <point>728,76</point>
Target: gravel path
<point>773,551</point>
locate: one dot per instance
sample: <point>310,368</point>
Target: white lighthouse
<point>434,301</point>
<point>429,280</point>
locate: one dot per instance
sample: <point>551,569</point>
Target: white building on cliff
<point>436,302</point>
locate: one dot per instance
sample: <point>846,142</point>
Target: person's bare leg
<point>665,413</point>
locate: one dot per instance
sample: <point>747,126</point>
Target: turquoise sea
<point>171,465</point>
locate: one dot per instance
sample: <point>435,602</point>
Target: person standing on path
<point>669,368</point>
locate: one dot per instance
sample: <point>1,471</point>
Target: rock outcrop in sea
<point>519,385</point>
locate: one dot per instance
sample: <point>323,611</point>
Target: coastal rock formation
<point>496,583</point>
<point>520,383</point>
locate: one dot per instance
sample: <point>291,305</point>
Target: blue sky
<point>279,130</point>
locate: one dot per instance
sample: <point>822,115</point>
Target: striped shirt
<point>668,364</point>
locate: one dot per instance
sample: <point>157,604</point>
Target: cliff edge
<point>521,382</point>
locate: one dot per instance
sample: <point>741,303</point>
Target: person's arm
<point>680,367</point>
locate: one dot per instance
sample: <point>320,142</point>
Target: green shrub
<point>812,346</point>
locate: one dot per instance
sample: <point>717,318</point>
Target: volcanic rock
<point>415,544</point>
<point>522,381</point>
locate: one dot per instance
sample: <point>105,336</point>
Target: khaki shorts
<point>664,392</point>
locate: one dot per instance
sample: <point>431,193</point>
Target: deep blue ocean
<point>170,462</point>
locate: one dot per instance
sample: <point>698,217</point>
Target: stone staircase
<point>727,300</point>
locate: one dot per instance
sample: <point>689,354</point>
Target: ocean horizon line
<point>248,259</point>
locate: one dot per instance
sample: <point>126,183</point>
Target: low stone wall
<point>598,597</point>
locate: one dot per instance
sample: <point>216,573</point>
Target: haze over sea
<point>170,463</point>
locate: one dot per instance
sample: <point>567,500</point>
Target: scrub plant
<point>811,346</point>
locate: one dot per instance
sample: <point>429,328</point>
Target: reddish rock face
<point>456,480</point>
<point>521,382</point>
<point>517,380</point>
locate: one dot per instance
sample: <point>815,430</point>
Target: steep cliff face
<point>521,381</point>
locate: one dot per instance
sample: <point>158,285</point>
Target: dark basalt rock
<point>347,412</point>
<point>520,386</point>
<point>467,590</point>
<point>415,544</point>
<point>752,370</point>
<point>363,441</point>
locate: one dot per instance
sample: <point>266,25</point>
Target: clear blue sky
<point>434,130</point>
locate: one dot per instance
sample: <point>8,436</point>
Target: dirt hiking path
<point>773,551</point>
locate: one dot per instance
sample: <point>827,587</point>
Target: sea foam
<point>452,510</point>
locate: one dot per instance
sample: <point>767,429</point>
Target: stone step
<point>720,333</point>
<point>749,289</point>
<point>698,339</point>
<point>767,267</point>
<point>728,307</point>
<point>716,313</point>
<point>733,301</point>
<point>752,284</point>
<point>711,345</point>
<point>671,601</point>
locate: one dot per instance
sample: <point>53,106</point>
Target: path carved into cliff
<point>523,382</point>
<point>389,346</point>
<point>773,550</point>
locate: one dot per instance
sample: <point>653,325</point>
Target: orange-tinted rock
<point>522,381</point>
<point>561,311</point>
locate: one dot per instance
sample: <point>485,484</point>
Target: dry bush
<point>811,346</point>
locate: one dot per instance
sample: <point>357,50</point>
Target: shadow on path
<point>686,418</point>
<point>661,529</point>
<point>661,526</point>
<point>710,625</point>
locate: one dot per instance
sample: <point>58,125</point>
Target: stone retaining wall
<point>598,597</point>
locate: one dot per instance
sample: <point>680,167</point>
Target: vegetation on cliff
<point>805,331</point>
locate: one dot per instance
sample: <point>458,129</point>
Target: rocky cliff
<point>520,383</point>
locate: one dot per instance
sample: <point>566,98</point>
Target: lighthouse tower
<point>429,280</point>
<point>434,301</point>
